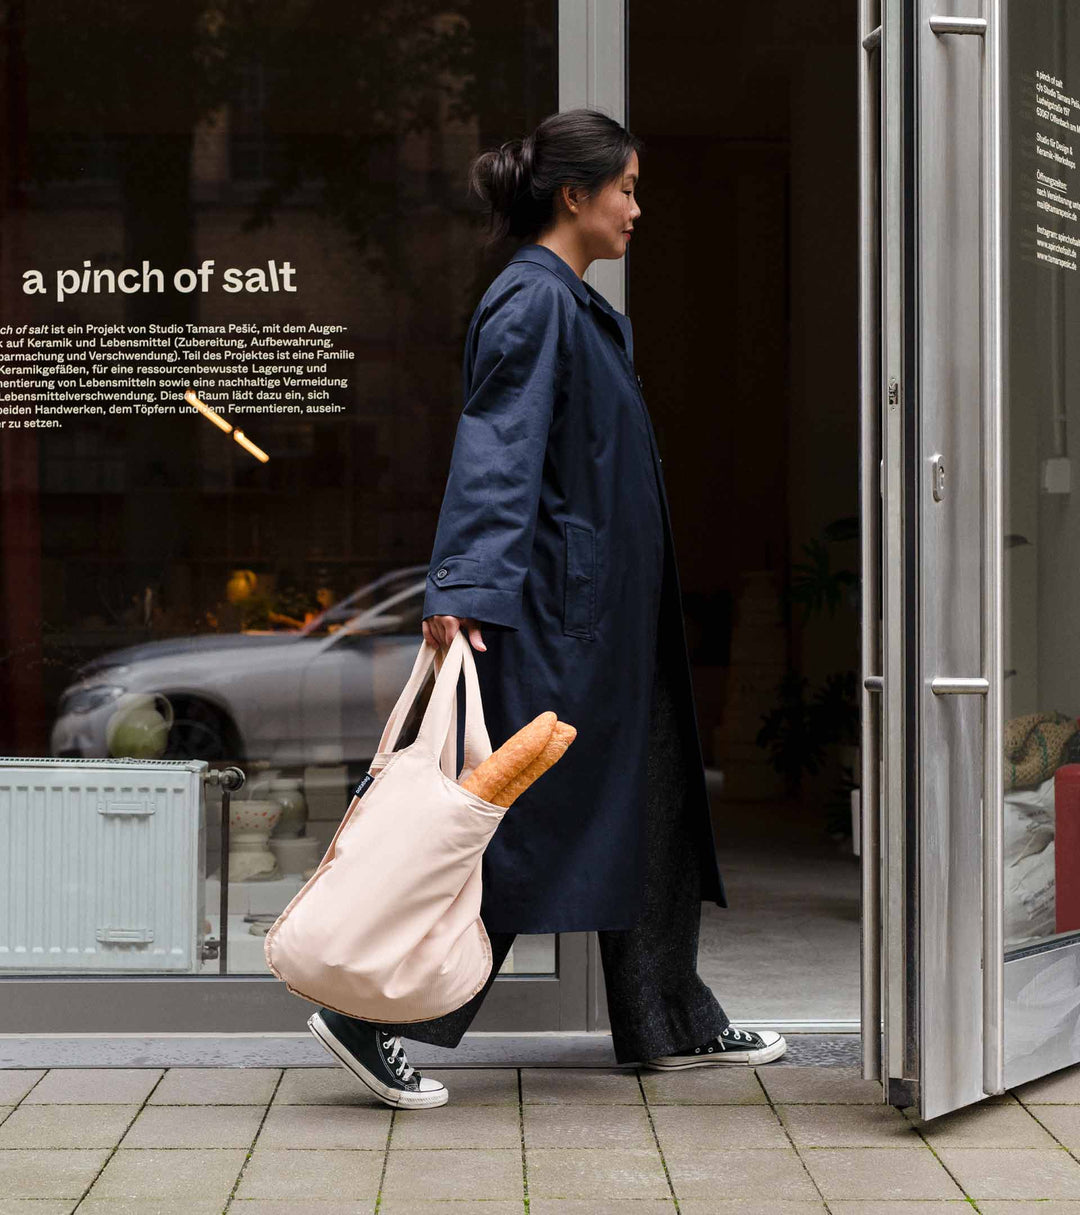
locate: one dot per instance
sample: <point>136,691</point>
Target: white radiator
<point>102,865</point>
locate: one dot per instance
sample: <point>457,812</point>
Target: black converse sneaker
<point>377,1060</point>
<point>731,1045</point>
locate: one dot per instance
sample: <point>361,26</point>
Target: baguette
<point>561,737</point>
<point>517,753</point>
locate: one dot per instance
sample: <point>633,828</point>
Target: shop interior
<point>743,288</point>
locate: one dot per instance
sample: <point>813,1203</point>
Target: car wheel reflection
<point>200,731</point>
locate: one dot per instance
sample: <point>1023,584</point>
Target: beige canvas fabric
<point>388,927</point>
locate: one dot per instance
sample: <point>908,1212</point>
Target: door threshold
<point>561,1049</point>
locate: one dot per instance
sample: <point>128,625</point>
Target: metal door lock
<point>937,476</point>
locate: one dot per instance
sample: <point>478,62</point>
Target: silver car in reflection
<point>320,695</point>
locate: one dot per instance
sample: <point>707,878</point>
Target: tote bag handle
<point>439,726</point>
<point>440,713</point>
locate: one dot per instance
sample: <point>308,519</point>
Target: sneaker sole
<point>391,1096</point>
<point>727,1058</point>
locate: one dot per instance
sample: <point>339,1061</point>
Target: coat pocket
<point>579,596</point>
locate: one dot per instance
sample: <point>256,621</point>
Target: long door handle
<point>990,685</point>
<point>959,685</point>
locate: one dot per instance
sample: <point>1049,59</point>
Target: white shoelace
<point>403,1071</point>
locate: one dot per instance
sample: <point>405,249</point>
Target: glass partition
<point>237,263</point>
<point>1042,479</point>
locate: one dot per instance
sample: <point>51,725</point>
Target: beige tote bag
<point>388,927</point>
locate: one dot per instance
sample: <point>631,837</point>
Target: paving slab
<point>930,1206</point>
<point>703,1086</point>
<point>323,1086</point>
<point>178,1176</point>
<point>848,1126</point>
<point>467,1126</point>
<point>504,1206</point>
<point>148,1206</point>
<point>16,1082</point>
<point>94,1086</point>
<point>1013,1173</point>
<point>429,1175</point>
<point>588,1126</point>
<point>66,1126</point>
<point>748,1206</point>
<point>326,1126</point>
<point>216,1086</point>
<point>49,1172</point>
<point>181,1126</point>
<point>290,1206</point>
<point>37,1206</point>
<point>478,1086</point>
<point>1062,1087</point>
<point>592,1206</point>
<point>1053,1206</point>
<point>311,1174</point>
<point>614,1173</point>
<point>579,1086</point>
<point>991,1126</point>
<point>717,1126</point>
<point>819,1085</point>
<point>1061,1121</point>
<point>737,1172</point>
<point>880,1173</point>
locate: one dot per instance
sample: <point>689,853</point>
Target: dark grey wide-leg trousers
<point>657,1002</point>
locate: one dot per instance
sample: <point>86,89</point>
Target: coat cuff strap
<point>478,602</point>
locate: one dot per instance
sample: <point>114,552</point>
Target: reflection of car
<point>320,695</point>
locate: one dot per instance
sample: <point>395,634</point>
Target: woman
<point>553,551</point>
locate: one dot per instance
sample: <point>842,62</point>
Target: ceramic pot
<point>296,854</point>
<point>139,726</point>
<point>287,791</point>
<point>250,824</point>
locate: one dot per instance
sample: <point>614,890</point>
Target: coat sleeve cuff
<point>478,602</point>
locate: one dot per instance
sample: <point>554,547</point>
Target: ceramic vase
<point>288,793</point>
<point>250,824</point>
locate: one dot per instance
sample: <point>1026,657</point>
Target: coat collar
<point>543,256</point>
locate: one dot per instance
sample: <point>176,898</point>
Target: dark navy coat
<point>554,534</point>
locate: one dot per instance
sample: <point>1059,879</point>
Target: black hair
<point>520,180</point>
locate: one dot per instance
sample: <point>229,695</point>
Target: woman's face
<point>605,219</point>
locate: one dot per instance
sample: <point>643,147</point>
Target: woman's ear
<point>570,198</point>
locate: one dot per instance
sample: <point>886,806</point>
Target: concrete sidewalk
<point>544,1141</point>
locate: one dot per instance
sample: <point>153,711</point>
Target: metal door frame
<point>961,1020</point>
<point>132,1011</point>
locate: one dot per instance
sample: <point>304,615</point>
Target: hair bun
<point>520,180</point>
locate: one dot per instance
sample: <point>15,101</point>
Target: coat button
<point>442,573</point>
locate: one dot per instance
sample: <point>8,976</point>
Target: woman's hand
<point>441,630</point>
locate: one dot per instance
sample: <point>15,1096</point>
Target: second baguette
<point>501,766</point>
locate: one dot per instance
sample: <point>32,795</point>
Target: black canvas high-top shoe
<point>377,1060</point>
<point>730,1046</point>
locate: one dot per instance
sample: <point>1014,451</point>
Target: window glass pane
<point>1041,299</point>
<point>264,205</point>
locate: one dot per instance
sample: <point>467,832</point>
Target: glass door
<point>969,120</point>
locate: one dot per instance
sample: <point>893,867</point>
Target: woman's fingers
<point>441,630</point>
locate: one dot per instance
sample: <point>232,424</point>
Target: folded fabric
<point>1036,745</point>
